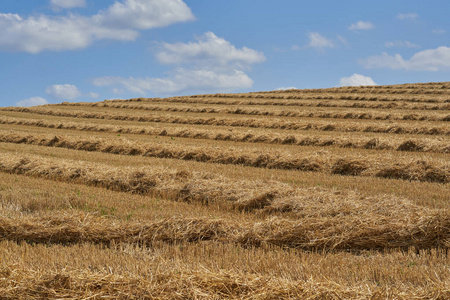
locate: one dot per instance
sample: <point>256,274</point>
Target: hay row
<point>281,102</point>
<point>382,166</point>
<point>315,95</point>
<point>275,113</point>
<point>437,88</point>
<point>248,122</point>
<point>33,284</point>
<point>380,143</point>
<point>324,219</point>
<point>292,98</point>
<point>421,229</point>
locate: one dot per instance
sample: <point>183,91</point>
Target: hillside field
<point>339,193</point>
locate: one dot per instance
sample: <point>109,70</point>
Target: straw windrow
<point>378,143</point>
<point>248,122</point>
<point>420,170</point>
<point>323,220</point>
<point>277,112</point>
<point>229,196</point>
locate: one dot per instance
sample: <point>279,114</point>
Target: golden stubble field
<point>338,193</point>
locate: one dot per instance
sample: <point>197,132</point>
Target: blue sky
<point>85,50</point>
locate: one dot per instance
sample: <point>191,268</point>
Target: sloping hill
<point>330,193</point>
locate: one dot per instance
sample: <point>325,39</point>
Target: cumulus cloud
<point>318,41</point>
<point>33,101</point>
<point>121,21</point>
<point>67,92</point>
<point>207,50</point>
<point>210,63</point>
<point>361,25</point>
<point>400,44</point>
<point>144,14</point>
<point>356,80</point>
<point>427,60</point>
<point>63,91</point>
<point>286,88</point>
<point>408,16</point>
<point>66,4</point>
<point>181,80</point>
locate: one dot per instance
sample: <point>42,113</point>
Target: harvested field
<point>340,103</point>
<point>389,167</point>
<point>338,193</point>
<point>434,128</point>
<point>329,113</point>
<point>438,145</point>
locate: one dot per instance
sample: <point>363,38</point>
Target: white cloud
<point>356,80</point>
<point>181,80</point>
<point>286,88</point>
<point>318,41</point>
<point>361,25</point>
<point>208,50</point>
<point>118,22</point>
<point>400,44</point>
<point>208,64</point>
<point>33,101</point>
<point>67,92</point>
<point>63,91</point>
<point>408,16</point>
<point>36,34</point>
<point>427,60</point>
<point>144,14</point>
<point>66,4</point>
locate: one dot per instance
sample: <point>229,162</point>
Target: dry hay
<point>408,169</point>
<point>380,143</point>
<point>205,284</point>
<point>316,219</point>
<point>323,222</point>
<point>248,122</point>
<point>277,112</point>
<point>371,102</point>
<point>367,230</point>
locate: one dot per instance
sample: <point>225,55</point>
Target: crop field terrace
<point>340,193</point>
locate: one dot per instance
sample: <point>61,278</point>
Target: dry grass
<point>274,101</point>
<point>214,271</point>
<point>319,219</point>
<point>418,229</point>
<point>400,128</point>
<point>353,141</point>
<point>378,166</point>
<point>428,194</point>
<point>195,207</point>
<point>329,113</point>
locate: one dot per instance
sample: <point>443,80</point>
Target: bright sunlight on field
<point>339,193</point>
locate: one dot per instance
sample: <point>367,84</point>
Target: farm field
<point>340,193</point>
